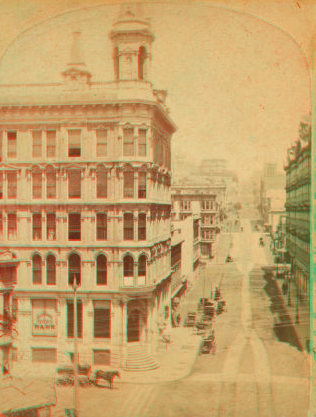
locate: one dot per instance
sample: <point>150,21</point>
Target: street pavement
<point>254,371</point>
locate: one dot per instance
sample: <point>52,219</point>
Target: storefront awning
<point>19,394</point>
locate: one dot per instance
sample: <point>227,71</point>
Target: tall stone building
<point>298,192</point>
<point>85,194</point>
<point>203,202</point>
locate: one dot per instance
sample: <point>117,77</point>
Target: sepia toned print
<point>155,209</point>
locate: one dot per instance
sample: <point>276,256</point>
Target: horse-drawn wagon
<point>86,377</point>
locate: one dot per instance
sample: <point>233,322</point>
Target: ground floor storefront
<point>107,325</point>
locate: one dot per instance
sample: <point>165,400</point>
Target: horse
<point>107,376</point>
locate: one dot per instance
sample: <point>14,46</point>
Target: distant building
<point>206,202</point>
<point>272,196</point>
<point>298,193</point>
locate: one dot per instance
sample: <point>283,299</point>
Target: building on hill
<point>85,197</point>
<point>205,202</point>
<point>297,239</point>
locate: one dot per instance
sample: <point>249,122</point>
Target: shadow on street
<point>283,326</point>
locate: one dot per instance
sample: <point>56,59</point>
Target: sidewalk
<point>299,314</point>
<point>176,359</point>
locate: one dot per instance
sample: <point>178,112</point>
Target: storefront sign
<point>44,323</point>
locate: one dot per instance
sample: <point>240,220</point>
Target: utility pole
<point>75,393</point>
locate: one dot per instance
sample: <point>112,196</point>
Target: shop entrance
<point>133,326</point>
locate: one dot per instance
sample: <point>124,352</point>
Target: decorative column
<point>135,226</point>
<point>124,334</point>
<point>136,143</point>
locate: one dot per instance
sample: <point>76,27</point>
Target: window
<point>185,205</point>
<point>70,318</point>
<point>101,270</point>
<point>51,183</point>
<point>142,226</point>
<point>51,270</point>
<point>208,205</point>
<point>12,184</point>
<point>37,269</point>
<point>101,357</point>
<point>102,142</point>
<point>51,226</point>
<point>128,226</point>
<point>51,143</point>
<point>1,227</point>
<point>128,266</point>
<point>1,184</point>
<point>142,146</point>
<point>12,144</point>
<point>37,184</point>
<point>102,178</point>
<point>14,354</point>
<point>102,319</point>
<point>48,355</point>
<point>142,262</point>
<point>142,176</point>
<point>74,269</point>
<point>116,63</point>
<point>141,62</point>
<point>37,226</point>
<point>128,145</point>
<point>12,226</point>
<point>128,184</point>
<point>15,307</point>
<point>196,229</point>
<point>101,226</point>
<point>74,142</point>
<point>74,226</point>
<point>37,143</point>
<point>74,184</point>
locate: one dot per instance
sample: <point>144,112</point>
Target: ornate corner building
<point>85,179</point>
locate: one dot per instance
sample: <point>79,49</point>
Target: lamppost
<point>289,277</point>
<point>297,317</point>
<point>75,392</point>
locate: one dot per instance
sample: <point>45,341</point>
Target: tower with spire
<point>132,38</point>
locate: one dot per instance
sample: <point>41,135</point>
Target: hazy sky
<point>237,86</point>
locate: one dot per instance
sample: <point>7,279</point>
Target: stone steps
<point>139,360</point>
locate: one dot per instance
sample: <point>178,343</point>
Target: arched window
<point>74,269</point>
<point>37,269</point>
<point>128,226</point>
<point>101,270</point>
<point>51,270</point>
<point>128,266</point>
<point>142,264</point>
<point>142,54</point>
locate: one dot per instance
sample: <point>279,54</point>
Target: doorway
<point>133,326</point>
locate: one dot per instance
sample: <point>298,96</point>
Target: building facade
<point>206,202</point>
<point>298,192</point>
<point>85,195</point>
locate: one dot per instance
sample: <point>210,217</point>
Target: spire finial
<point>76,75</point>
